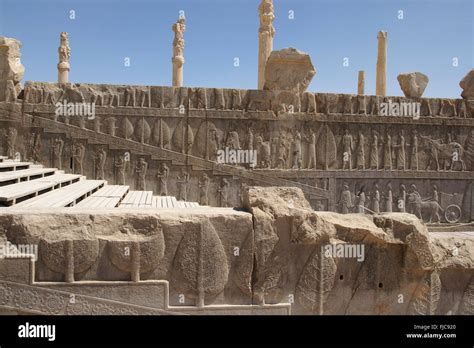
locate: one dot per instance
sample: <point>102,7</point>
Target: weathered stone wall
<point>301,138</point>
<point>275,253</point>
<point>173,246</point>
<point>403,269</point>
<point>11,69</point>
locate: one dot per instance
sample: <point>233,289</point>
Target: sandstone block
<point>467,84</point>
<point>413,84</point>
<point>288,69</point>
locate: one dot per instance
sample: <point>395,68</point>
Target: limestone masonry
<point>357,204</point>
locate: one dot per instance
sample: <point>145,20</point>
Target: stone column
<point>69,253</point>
<point>64,54</point>
<point>178,51</point>
<point>266,32</point>
<point>135,258</point>
<point>381,76</point>
<point>361,83</point>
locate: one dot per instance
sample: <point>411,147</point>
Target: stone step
<point>187,205</point>
<point>6,166</point>
<point>137,199</point>
<point>65,196</point>
<point>170,202</point>
<point>17,176</point>
<point>32,164</point>
<point>83,304</point>
<point>36,166</point>
<point>107,197</point>
<point>164,202</point>
<point>11,194</point>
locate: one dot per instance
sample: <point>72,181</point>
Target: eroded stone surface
<point>289,70</point>
<point>413,84</point>
<point>292,260</point>
<point>467,84</point>
<point>10,64</point>
<point>11,69</point>
<point>281,251</point>
<point>195,252</point>
<point>289,130</point>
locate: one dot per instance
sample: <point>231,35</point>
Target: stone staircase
<point>31,299</point>
<point>117,298</point>
<point>20,293</point>
<point>28,185</point>
<point>161,154</point>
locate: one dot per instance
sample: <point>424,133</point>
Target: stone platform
<point>278,256</point>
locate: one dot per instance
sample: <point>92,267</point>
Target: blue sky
<point>105,32</point>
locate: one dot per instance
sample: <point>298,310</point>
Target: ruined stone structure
<point>277,257</point>
<point>119,182</point>
<point>266,33</point>
<point>11,69</point>
<point>361,83</point>
<point>432,148</point>
<point>64,55</point>
<point>178,51</point>
<point>381,73</point>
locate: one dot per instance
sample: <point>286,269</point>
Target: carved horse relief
<point>416,206</point>
<point>443,156</point>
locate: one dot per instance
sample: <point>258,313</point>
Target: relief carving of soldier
<point>347,147</point>
<point>376,199</point>
<point>204,190</point>
<point>414,159</point>
<point>360,159</point>
<point>162,176</point>
<point>264,152</point>
<point>141,169</point>
<point>223,191</point>
<point>361,201</point>
<point>387,152</point>
<point>402,199</point>
<point>389,199</point>
<point>100,160</point>
<point>79,151</point>
<point>120,166</point>
<point>297,155</point>
<point>57,146</point>
<point>12,135</point>
<point>182,183</point>
<point>346,200</point>
<point>401,158</point>
<point>282,153</point>
<point>374,150</point>
<point>312,151</point>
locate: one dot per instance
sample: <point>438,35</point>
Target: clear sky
<point>429,38</point>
